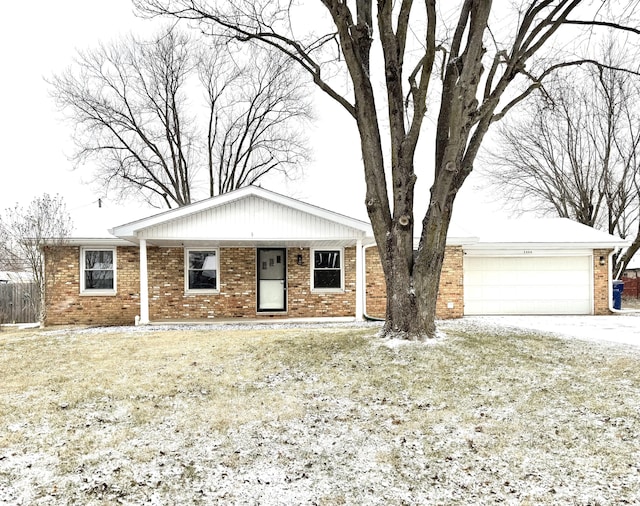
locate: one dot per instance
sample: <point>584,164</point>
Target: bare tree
<point>251,137</point>
<point>488,66</point>
<point>26,231</point>
<point>574,152</point>
<point>135,108</point>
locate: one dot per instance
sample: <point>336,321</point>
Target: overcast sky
<point>35,142</point>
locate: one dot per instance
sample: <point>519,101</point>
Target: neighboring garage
<point>497,285</point>
<point>538,267</point>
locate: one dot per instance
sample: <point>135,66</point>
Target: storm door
<point>272,274</point>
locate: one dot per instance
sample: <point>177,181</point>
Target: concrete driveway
<point>623,327</point>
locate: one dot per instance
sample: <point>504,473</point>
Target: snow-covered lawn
<point>316,415</point>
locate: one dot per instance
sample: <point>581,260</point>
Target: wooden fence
<point>631,287</point>
<point>19,303</point>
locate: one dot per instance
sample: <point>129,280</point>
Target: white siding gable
<point>250,218</point>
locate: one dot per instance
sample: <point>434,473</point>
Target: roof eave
<point>95,241</point>
<point>551,245</point>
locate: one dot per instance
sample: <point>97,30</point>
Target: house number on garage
<point>528,252</point>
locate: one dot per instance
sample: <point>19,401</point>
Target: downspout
<point>364,290</point>
<point>610,280</point>
<point>359,282</point>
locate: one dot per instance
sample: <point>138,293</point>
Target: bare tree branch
<point>574,155</point>
<point>616,26</point>
<point>25,231</point>
<point>135,113</point>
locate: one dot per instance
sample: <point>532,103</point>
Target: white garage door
<point>527,285</point>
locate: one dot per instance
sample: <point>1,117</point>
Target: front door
<point>272,275</point>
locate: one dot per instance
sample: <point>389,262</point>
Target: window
<point>327,270</point>
<point>201,270</point>
<point>97,271</point>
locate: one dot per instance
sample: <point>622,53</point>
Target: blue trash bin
<point>618,288</point>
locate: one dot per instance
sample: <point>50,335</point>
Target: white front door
<point>272,272</point>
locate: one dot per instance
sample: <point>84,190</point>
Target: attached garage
<point>543,266</point>
<point>528,285</point>
<point>538,267</point>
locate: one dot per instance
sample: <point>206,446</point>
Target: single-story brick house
<point>252,253</point>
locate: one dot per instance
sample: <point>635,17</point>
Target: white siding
<point>251,218</point>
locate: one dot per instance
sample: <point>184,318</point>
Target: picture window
<point>202,270</point>
<point>327,270</point>
<point>98,273</point>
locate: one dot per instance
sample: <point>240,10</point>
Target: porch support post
<point>144,284</point>
<point>360,293</point>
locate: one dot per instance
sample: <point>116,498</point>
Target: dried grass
<point>317,416</point>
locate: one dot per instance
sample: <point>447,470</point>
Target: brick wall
<point>302,302</point>
<point>451,290</point>
<point>167,297</point>
<point>237,297</point>
<point>65,305</point>
<point>601,282</point>
<point>375,286</point>
<point>238,287</point>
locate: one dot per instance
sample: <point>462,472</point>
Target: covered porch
<point>250,253</point>
<point>218,280</point>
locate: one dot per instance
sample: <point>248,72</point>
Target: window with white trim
<point>201,270</point>
<point>327,269</point>
<point>98,271</point>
